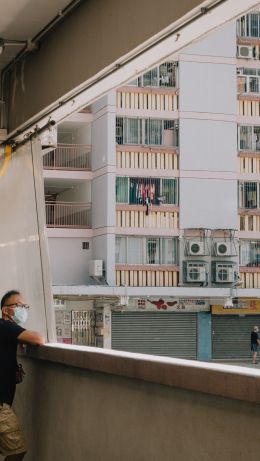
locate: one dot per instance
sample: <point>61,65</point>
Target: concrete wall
<point>23,242</point>
<point>208,203</point>
<point>213,44</point>
<point>104,248</point>
<point>208,133</point>
<point>78,193</point>
<point>74,132</point>
<point>69,262</point>
<point>74,412</point>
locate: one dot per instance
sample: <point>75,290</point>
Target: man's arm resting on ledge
<point>31,337</point>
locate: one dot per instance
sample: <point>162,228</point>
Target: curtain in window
<point>153,132</point>
<point>254,25</point>
<point>245,138</point>
<point>121,256</point>
<point>244,253</point>
<point>132,131</point>
<point>250,254</point>
<point>121,190</point>
<point>135,250</point>
<point>256,137</point>
<point>168,251</point>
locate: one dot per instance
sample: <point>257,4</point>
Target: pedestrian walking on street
<point>14,312</point>
<point>254,343</point>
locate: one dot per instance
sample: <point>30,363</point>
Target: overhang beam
<point>103,44</point>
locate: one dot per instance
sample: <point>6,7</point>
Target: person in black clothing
<point>254,343</point>
<point>14,313</point>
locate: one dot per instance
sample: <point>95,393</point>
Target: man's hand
<point>31,337</point>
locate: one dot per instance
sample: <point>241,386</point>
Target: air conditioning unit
<point>95,268</point>
<point>195,272</point>
<point>196,248</point>
<point>224,249</point>
<point>245,52</point>
<point>225,273</point>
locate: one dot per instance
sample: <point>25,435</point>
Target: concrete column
<point>103,185</point>
<point>23,242</point>
<point>104,324</point>
<point>208,132</point>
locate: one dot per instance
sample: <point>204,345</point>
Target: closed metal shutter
<point>158,333</point>
<point>231,336</point>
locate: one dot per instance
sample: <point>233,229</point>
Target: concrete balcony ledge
<point>234,382</point>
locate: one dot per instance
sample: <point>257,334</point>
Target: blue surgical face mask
<point>20,315</point>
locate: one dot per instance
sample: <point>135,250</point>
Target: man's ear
<point>4,311</point>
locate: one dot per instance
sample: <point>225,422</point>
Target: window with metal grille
<point>163,75</point>
<point>85,245</point>
<point>249,253</point>
<point>249,26</point>
<point>119,130</point>
<point>153,251</point>
<point>143,191</point>
<point>248,192</point>
<point>150,132</point>
<point>146,250</point>
<point>249,138</point>
<point>248,80</point>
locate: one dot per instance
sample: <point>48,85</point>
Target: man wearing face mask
<point>14,313</point>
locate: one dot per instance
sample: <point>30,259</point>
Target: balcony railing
<point>68,215</point>
<point>68,157</point>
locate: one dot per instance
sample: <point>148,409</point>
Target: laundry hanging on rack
<point>142,191</point>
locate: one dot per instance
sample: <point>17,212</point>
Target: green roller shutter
<point>159,333</point>
<point>231,336</point>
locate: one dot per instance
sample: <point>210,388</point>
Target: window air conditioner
<point>245,52</point>
<point>224,249</point>
<point>196,248</point>
<point>225,273</point>
<point>196,272</point>
<point>95,268</point>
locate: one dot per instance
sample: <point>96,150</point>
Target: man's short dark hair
<point>7,296</point>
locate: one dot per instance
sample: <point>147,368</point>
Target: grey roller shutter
<point>231,336</point>
<point>158,333</point>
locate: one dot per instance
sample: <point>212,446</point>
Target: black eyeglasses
<point>24,306</point>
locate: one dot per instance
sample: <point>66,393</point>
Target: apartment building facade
<point>153,208</point>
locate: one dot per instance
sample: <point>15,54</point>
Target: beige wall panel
<point>118,159</point>
<point>141,159</point>
<point>123,160</point>
<point>123,218</point>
